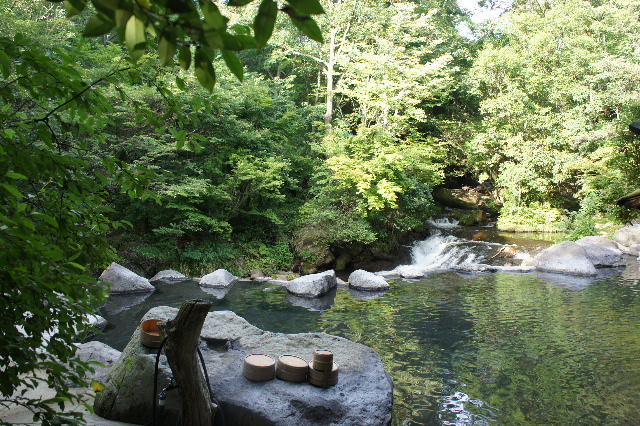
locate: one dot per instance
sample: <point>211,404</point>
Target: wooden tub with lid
<point>292,368</point>
<point>259,367</point>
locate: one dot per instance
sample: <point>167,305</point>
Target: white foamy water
<point>444,250</point>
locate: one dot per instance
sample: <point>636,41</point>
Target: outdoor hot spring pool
<point>493,349</point>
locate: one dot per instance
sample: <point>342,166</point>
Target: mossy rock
<point>446,198</point>
<point>471,217</point>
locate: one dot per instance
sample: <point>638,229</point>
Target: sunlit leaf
<point>166,50</point>
<point>74,7</point>
<point>265,21</point>
<point>98,26</point>
<point>204,71</point>
<point>213,16</point>
<point>135,38</point>
<point>310,7</point>
<point>184,57</point>
<point>233,63</point>
<point>306,24</point>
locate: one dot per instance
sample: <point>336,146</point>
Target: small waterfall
<point>454,247</point>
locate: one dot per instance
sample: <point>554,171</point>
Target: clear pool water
<point>495,349</point>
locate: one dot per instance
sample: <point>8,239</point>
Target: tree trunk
<point>183,337</point>
<point>330,65</point>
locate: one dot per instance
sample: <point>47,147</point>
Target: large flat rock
<point>363,395</point>
<point>566,257</point>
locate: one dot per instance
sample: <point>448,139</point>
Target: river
<point>464,349</point>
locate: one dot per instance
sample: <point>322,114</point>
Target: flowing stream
<point>463,349</point>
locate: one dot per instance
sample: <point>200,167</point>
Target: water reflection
<point>495,349</point>
<point>121,302</point>
<point>313,303</point>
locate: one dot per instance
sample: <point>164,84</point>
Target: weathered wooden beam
<point>183,337</point>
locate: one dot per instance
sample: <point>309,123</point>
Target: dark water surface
<point>494,349</point>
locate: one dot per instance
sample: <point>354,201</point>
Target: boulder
<point>168,275</point>
<point>100,353</point>
<point>566,257</point>
<point>313,285</point>
<point>367,281</point>
<point>96,321</point>
<point>219,278</point>
<point>128,389</point>
<point>124,281</point>
<point>257,274</point>
<point>629,238</point>
<point>602,252</point>
<point>362,396</point>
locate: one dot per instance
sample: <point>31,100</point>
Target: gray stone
<point>125,281</point>
<point>219,278</point>
<point>628,237</point>
<point>97,352</point>
<point>128,389</point>
<point>168,275</point>
<point>566,257</point>
<point>314,285</point>
<point>602,252</point>
<point>363,395</point>
<point>97,321</point>
<point>367,281</point>
<point>257,274</point>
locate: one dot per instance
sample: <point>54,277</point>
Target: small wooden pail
<point>259,367</point>
<point>323,378</point>
<point>150,334</point>
<point>292,368</point>
<point>323,360</point>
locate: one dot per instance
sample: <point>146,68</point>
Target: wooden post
<point>183,337</point>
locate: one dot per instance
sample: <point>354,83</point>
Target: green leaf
<point>239,2</point>
<point>50,220</point>
<point>14,175</point>
<point>213,16</point>
<point>107,7</point>
<point>204,71</point>
<point>76,265</point>
<point>184,57</point>
<point>135,38</point>
<point>98,26</point>
<point>12,190</point>
<point>213,37</point>
<point>233,63</point>
<point>265,21</point>
<point>166,50</point>
<point>241,29</point>
<point>122,17</point>
<point>306,24</point>
<point>310,7</point>
<point>232,42</point>
<point>5,64</point>
<point>74,7</point>
<point>181,84</point>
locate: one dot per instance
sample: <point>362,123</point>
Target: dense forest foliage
<point>310,154</point>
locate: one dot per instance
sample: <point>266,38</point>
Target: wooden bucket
<point>259,367</point>
<point>292,368</point>
<point>323,378</point>
<point>323,360</point>
<point>150,334</point>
